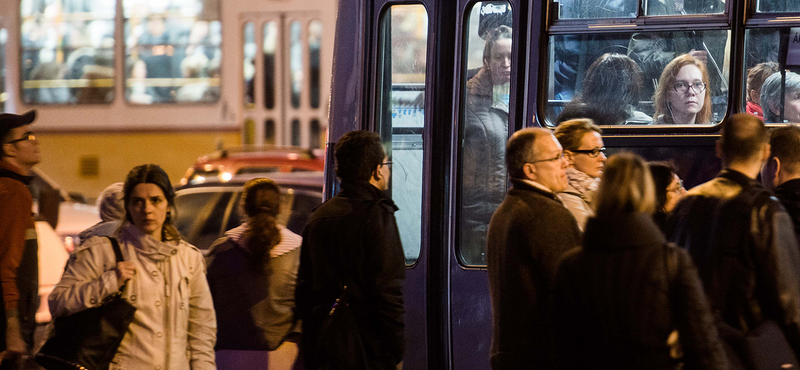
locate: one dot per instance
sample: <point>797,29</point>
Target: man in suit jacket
<point>527,236</point>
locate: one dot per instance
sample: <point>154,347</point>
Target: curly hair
<point>261,200</point>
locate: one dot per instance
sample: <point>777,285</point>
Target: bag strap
<point>115,246</point>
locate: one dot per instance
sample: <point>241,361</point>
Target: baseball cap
<point>10,121</point>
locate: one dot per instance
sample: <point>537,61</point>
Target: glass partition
<point>484,126</point>
<point>296,63</point>
<point>773,96</point>
<point>589,9</point>
<point>639,78</point>
<point>401,115</point>
<point>270,46</point>
<point>249,66</point>
<point>314,45</point>
<point>67,54</point>
<point>172,51</point>
<point>3,94</point>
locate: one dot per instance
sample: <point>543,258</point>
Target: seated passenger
<point>682,97</point>
<point>755,78</point>
<point>771,98</point>
<point>610,93</point>
<point>621,298</point>
<point>669,190</point>
<point>583,149</point>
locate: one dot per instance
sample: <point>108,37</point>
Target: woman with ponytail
<point>252,272</point>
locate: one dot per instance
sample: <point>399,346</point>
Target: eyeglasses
<point>682,87</point>
<point>27,137</point>
<point>678,188</point>
<point>591,152</point>
<point>560,156</point>
<point>389,163</point>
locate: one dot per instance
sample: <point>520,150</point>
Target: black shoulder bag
<point>88,340</point>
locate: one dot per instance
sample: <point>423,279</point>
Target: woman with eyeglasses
<point>628,299</point>
<point>669,190</point>
<point>682,96</point>
<point>584,150</point>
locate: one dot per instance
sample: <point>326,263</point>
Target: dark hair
<point>499,33</point>
<point>743,136</point>
<point>570,133</point>
<point>666,83</point>
<point>358,154</point>
<point>626,186</point>
<point>153,174</point>
<point>785,145</point>
<point>663,173</point>
<point>758,74</point>
<point>771,93</point>
<point>521,149</point>
<point>610,92</point>
<point>261,200</point>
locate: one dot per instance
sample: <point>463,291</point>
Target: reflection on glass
<point>296,134</point>
<point>314,135</point>
<point>763,83</point>
<point>67,54</point>
<point>585,9</point>
<point>269,132</point>
<point>778,6</point>
<point>270,45</point>
<point>3,95</point>
<point>678,7</point>
<point>295,63</point>
<point>588,72</point>
<point>314,41</point>
<point>401,116</point>
<point>486,87</point>
<point>249,65</point>
<point>176,46</point>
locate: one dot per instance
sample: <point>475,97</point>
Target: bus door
<point>285,82</point>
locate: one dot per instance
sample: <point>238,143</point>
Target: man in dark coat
<point>19,253</point>
<point>528,234</point>
<point>741,238</point>
<point>352,240</point>
<point>781,173</point>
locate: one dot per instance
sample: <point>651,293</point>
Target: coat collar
<point>621,231</point>
<point>521,184</point>
<point>365,190</point>
<point>743,180</point>
<point>146,244</point>
<point>11,171</point>
<point>789,187</point>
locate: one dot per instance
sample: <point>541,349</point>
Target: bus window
<point>270,45</point>
<point>269,132</point>
<point>401,114</point>
<point>677,7</point>
<point>588,9</point>
<point>172,51</point>
<point>3,95</point>
<point>314,44</point>
<point>778,6</point>
<point>486,82</point>
<point>314,135</point>
<point>763,81</point>
<point>296,62</point>
<point>249,68</point>
<point>67,54</point>
<point>616,78</point>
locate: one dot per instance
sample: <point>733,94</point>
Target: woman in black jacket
<point>627,299</point>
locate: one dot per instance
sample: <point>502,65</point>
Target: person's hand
<point>15,346</point>
<point>125,271</point>
<point>700,55</point>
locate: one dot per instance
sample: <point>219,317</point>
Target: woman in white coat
<point>174,326</point>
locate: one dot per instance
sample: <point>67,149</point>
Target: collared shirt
<point>537,185</point>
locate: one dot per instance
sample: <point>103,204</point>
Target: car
<point>225,163</point>
<point>205,210</point>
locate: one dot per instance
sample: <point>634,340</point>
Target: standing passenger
<point>781,173</point>
<point>351,241</point>
<point>19,261</point>
<point>252,272</point>
<point>741,238</point>
<point>527,236</point>
<point>755,78</point>
<point>618,299</point>
<point>584,150</point>
<point>669,191</point>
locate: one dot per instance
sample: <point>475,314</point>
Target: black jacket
<point>616,301</point>
<point>353,239</point>
<point>527,237</point>
<point>743,243</point>
<point>789,195</point>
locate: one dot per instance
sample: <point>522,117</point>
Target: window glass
<point>296,132</point>
<point>587,9</point>
<point>677,7</point>
<point>67,54</point>
<point>764,85</point>
<point>269,132</point>
<point>172,51</point>
<point>270,45</point>
<point>486,85</point>
<point>201,216</point>
<point>249,67</point>
<point>314,135</point>
<point>296,62</point>
<point>3,95</point>
<point>778,6</point>
<point>401,116</point>
<point>617,78</point>
<point>314,42</point>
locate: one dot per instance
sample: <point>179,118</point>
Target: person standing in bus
<point>771,98</point>
<point>350,284</point>
<point>528,234</point>
<point>781,173</point>
<point>755,79</point>
<point>485,134</point>
<point>19,261</point>
<point>683,97</point>
<point>584,150</point>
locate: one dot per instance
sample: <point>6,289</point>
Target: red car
<point>224,164</point>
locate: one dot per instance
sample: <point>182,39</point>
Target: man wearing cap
<point>19,261</point>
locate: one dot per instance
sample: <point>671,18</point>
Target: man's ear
<point>9,150</point>
<point>530,171</point>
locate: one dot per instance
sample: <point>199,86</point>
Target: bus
<point>413,71</point>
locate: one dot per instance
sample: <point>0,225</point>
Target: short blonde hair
<point>626,186</point>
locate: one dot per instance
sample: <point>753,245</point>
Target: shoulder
<point>96,248</point>
<point>220,245</point>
